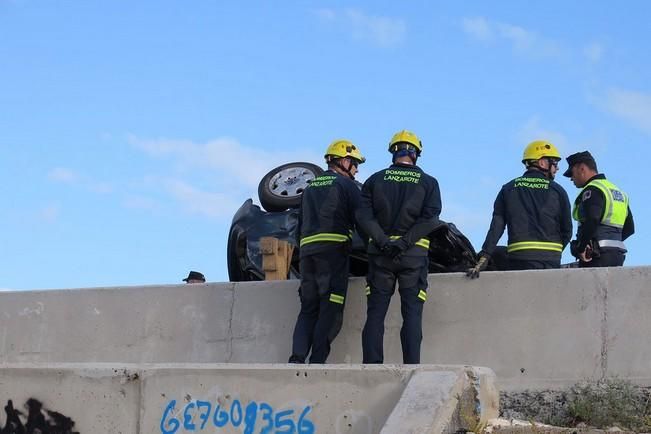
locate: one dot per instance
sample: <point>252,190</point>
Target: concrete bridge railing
<point>533,328</point>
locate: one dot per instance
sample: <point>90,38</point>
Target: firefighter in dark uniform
<point>326,224</point>
<point>536,211</point>
<point>400,207</point>
<point>604,216</point>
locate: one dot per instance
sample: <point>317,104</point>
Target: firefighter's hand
<point>586,255</point>
<point>482,263</point>
<point>396,248</point>
<point>383,246</point>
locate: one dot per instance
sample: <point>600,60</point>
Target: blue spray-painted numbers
<point>254,418</point>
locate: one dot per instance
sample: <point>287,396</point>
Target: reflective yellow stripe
<point>338,238</point>
<point>368,290</point>
<point>423,242</point>
<point>422,295</point>
<point>336,298</point>
<point>534,245</point>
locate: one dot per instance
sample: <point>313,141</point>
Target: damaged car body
<point>279,192</point>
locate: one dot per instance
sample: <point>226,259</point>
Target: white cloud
<point>226,155</point>
<point>61,174</point>
<point>523,41</point>
<point>593,52</point>
<point>68,176</point>
<point>633,107</point>
<point>533,130</point>
<point>381,31</point>
<point>478,27</point>
<point>231,170</point>
<point>200,202</point>
<point>520,38</point>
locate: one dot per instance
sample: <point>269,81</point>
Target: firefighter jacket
<point>603,213</point>
<point>536,212</point>
<point>327,216</point>
<point>401,201</point>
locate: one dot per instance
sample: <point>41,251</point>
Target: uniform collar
<point>332,172</point>
<point>405,166</point>
<point>597,176</point>
<point>532,171</point>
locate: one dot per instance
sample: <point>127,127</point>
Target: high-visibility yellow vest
<point>616,209</point>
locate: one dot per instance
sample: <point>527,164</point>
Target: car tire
<point>282,187</point>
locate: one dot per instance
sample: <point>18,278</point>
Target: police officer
<point>400,207</point>
<point>536,211</point>
<point>604,216</point>
<point>326,224</point>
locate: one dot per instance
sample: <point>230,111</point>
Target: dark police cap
<point>195,275</point>
<point>579,157</point>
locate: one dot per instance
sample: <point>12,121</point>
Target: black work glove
<point>482,263</point>
<point>574,248</point>
<point>396,248</point>
<point>383,246</point>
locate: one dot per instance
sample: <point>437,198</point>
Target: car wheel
<point>282,187</point>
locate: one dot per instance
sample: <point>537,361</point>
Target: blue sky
<point>130,132</point>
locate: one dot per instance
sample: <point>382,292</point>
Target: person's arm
<point>354,201</point>
<point>566,218</point>
<point>497,226</point>
<point>591,208</point>
<point>629,225</point>
<point>366,219</point>
<point>299,223</point>
<point>429,218</point>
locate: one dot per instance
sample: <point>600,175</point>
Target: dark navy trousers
<point>411,274</point>
<point>324,282</point>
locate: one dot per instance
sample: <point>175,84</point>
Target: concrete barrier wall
<point>534,328</point>
<point>233,398</point>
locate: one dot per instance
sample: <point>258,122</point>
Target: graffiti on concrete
<point>253,418</point>
<point>38,421</point>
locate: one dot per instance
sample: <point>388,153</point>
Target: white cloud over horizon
<point>196,201</point>
<point>68,176</point>
<point>379,30</point>
<point>533,129</point>
<point>237,170</point>
<point>243,163</point>
<point>521,40</point>
<point>632,106</point>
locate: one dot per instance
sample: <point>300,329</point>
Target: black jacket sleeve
<point>365,218</point>
<point>354,197</point>
<point>497,226</point>
<point>629,225</point>
<point>299,224</point>
<point>566,218</point>
<point>429,218</point>
<point>592,207</point>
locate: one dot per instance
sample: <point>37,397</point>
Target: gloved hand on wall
<point>482,263</point>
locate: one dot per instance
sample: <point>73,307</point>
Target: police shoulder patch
<point>586,195</point>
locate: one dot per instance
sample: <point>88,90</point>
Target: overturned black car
<point>280,192</point>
